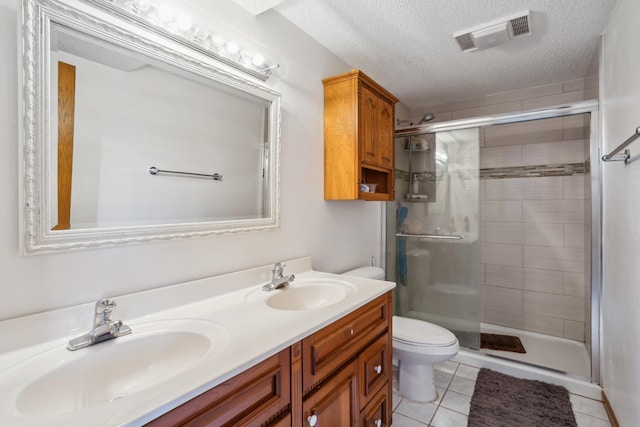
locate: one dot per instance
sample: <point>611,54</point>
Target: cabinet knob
<point>313,420</point>
<point>378,369</point>
<point>378,422</point>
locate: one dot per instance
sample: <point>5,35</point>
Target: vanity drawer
<point>378,412</point>
<point>254,397</point>
<point>375,368</point>
<point>327,350</point>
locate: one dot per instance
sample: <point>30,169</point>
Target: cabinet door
<point>375,368</point>
<point>368,118</point>
<point>384,133</point>
<point>378,412</point>
<point>376,129</point>
<point>282,422</point>
<point>335,402</point>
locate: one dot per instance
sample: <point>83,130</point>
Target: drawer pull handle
<point>351,331</point>
<point>312,420</point>
<point>378,422</point>
<point>378,369</point>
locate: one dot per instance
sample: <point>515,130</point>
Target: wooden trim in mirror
<point>66,120</point>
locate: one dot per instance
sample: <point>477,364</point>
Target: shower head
<point>427,118</point>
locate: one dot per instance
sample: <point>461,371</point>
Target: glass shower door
<point>433,229</point>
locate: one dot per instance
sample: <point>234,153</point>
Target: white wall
<point>337,235</point>
<point>620,103</point>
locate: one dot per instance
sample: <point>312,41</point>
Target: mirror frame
<point>37,17</point>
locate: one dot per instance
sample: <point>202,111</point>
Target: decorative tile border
<point>567,169</point>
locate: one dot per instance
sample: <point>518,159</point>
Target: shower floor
<point>544,350</point>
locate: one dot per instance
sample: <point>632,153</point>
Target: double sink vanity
<point>215,351</point>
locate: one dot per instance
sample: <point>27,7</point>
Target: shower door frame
<point>595,159</point>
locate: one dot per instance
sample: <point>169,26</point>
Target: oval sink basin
<point>155,352</point>
<point>306,295</point>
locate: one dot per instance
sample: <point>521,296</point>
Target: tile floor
<point>455,383</point>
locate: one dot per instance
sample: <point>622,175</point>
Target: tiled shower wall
<point>532,228</point>
<point>532,211</point>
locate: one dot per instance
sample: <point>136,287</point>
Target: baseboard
<point>609,409</point>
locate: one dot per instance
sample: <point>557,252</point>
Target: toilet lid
<point>421,333</point>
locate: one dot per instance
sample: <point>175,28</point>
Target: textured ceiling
<point>407,45</point>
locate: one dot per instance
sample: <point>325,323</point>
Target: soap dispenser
<point>415,185</point>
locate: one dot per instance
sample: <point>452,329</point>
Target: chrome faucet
<point>103,327</point>
<point>278,279</point>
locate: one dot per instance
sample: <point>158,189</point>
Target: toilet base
<point>416,382</point>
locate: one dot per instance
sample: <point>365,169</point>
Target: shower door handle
<point>432,236</point>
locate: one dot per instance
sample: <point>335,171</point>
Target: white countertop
<point>252,331</point>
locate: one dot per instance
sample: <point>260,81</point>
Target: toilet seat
<point>420,333</point>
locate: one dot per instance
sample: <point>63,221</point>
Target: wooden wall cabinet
<point>358,137</point>
<point>338,376</point>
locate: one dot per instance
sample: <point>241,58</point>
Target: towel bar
<point>626,155</point>
<point>432,236</point>
<point>216,176</point>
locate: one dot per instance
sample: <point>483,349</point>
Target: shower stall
<point>495,231</point>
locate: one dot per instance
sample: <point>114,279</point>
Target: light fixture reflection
<point>164,14</point>
<point>184,23</point>
<point>232,47</point>
<point>140,5</point>
<point>257,60</point>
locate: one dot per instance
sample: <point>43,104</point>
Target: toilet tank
<point>367,272</point>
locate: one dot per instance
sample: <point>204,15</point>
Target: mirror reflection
<point>108,99</point>
<point>115,114</point>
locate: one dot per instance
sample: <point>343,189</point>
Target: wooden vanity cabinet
<point>358,137</point>
<point>337,376</point>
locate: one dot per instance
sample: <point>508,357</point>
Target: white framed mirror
<point>130,136</point>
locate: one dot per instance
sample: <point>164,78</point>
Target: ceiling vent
<point>494,33</point>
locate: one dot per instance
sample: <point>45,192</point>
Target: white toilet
<point>417,346</point>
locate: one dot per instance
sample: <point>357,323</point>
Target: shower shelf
<point>376,197</point>
<point>416,200</point>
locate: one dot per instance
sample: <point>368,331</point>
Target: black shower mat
<point>501,342</point>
